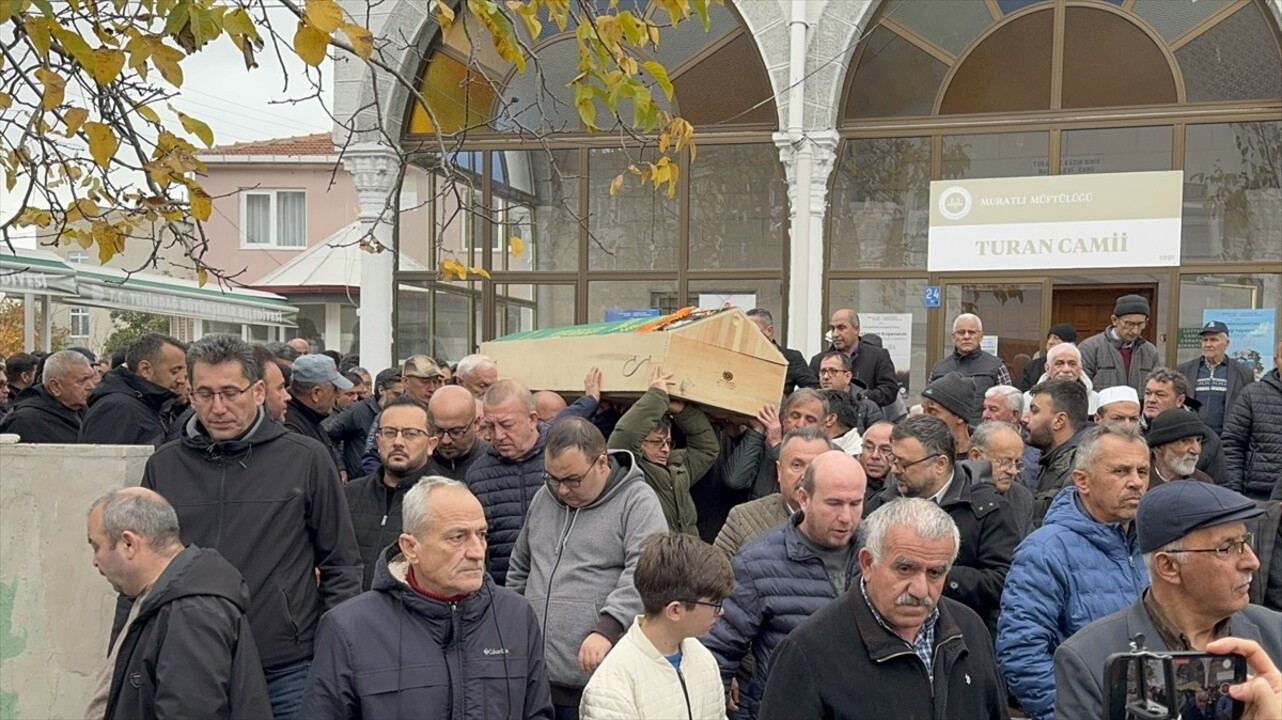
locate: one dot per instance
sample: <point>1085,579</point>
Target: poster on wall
<point>989,344</point>
<point>1251,335</point>
<point>896,333</point>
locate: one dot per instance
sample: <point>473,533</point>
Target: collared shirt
<point>939,496</point>
<point>1172,636</point>
<point>923,646</point>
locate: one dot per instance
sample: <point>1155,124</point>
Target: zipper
<point>686,692</point>
<point>930,673</point>
<point>560,548</point>
<point>457,641</point>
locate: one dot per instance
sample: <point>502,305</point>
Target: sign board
<point>23,282</point>
<point>989,344</point>
<point>1064,222</point>
<point>1251,335</point>
<point>123,297</point>
<point>932,296</point>
<point>617,314</point>
<point>896,333</point>
<point>1189,338</point>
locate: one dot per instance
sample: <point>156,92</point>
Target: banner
<point>1064,222</point>
<point>896,333</point>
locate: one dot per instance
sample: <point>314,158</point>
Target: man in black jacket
<point>972,361</point>
<point>869,364</point>
<point>435,638</point>
<point>314,384</point>
<point>923,462</point>
<point>349,428</point>
<point>862,655</point>
<point>406,438</point>
<point>187,649</point>
<point>52,411</point>
<point>799,373</point>
<point>127,407</point>
<point>269,501</point>
<point>1253,437</point>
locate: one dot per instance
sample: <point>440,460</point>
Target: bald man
<point>548,404</point>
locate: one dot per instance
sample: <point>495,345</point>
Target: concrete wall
<point>55,609</point>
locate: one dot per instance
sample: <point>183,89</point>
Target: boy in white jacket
<point>660,670</point>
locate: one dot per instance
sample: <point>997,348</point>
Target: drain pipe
<point>803,301</point>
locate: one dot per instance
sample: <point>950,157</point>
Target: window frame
<point>79,315</point>
<point>273,204</point>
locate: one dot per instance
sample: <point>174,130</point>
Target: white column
<point>46,321</point>
<point>374,168</point>
<point>808,162</point>
<point>334,327</point>
<point>28,322</point>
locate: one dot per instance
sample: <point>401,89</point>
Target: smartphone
<point>1165,686</point>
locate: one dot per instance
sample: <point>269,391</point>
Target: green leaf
<point>197,128</point>
<point>660,74</point>
<point>178,18</point>
<point>701,7</point>
<point>584,103</point>
<point>204,26</point>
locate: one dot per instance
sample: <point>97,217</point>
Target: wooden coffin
<point>719,359</point>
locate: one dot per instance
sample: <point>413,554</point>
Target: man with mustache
<point>863,655</point>
<point>1200,559</point>
<point>790,572</point>
<point>1175,439</point>
<point>1080,565</point>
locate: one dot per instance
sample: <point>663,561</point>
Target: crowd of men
<point>441,541</point>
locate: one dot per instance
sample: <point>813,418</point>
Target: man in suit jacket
<point>869,364</point>
<point>799,373</point>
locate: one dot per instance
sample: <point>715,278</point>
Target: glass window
<point>607,295</point>
<point>1098,42</point>
<point>893,310</point>
<point>636,229</point>
<point>452,334</point>
<point>1173,19</point>
<point>738,207</point>
<point>311,324</point>
<point>1109,150</point>
<point>950,24</point>
<point>214,326</point>
<point>881,204</point>
<point>532,307</point>
<point>413,319</point>
<point>894,78</point>
<point>743,294</point>
<point>1236,59</point>
<point>459,96</point>
<point>1233,192</point>
<point>990,79</point>
<point>274,218</point>
<point>728,86</point>
<point>1248,304</point>
<point>79,322</point>
<point>349,329</point>
<point>996,155</point>
<point>542,209</point>
<point>78,256</point>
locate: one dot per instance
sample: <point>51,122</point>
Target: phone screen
<point>1201,686</point>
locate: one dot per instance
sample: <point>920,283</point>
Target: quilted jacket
<point>749,521</point>
<point>504,488</point>
<point>1253,438</point>
<point>636,682</point>
<point>778,583</point>
<point>1070,572</point>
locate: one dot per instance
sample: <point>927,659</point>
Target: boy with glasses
<point>575,555</point>
<point>660,670</point>
<point>646,431</point>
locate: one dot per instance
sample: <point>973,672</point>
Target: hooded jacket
<point>984,368</point>
<point>190,652</point>
<point>270,503</point>
<point>989,533</point>
<point>38,417</point>
<point>671,482</point>
<point>1253,439</point>
<point>636,682</point>
<point>575,565</point>
<point>504,488</point>
<point>1102,361</point>
<point>1070,572</point>
<point>395,653</point>
<point>126,409</point>
<point>778,583</point>
<point>376,514</point>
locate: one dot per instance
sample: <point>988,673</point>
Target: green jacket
<point>685,467</point>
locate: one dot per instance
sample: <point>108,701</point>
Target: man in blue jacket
<point>435,638</point>
<point>1080,565</point>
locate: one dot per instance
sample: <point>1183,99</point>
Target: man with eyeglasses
<point>269,501</point>
<point>576,552</point>
<point>1200,560</point>
<point>922,460</point>
<point>1083,563</point>
<point>1120,355</point>
<point>971,360</point>
<point>875,456</point>
<point>1001,444</point>
<point>645,430</point>
<point>453,411</point>
<point>406,437</point>
<point>869,363</point>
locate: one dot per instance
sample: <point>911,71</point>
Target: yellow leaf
<point>324,15</point>
<point>310,44</point>
<point>73,43</point>
<point>55,88</point>
<point>616,184</point>
<point>102,142</point>
<point>238,22</point>
<point>480,271</point>
<point>34,216</point>
<point>75,117</point>
<point>107,64</point>
<point>202,277</point>
<point>444,14</point>
<point>202,206</point>
<point>37,27</point>
<point>362,40</point>
<point>452,268</point>
<point>148,114</point>
<point>660,76</point>
<point>197,128</point>
<point>82,208</point>
<point>515,245</point>
<point>5,101</point>
<point>166,60</point>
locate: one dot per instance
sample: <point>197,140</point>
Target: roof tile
<point>321,143</point>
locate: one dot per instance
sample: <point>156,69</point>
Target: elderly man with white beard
<point>1175,439</point>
